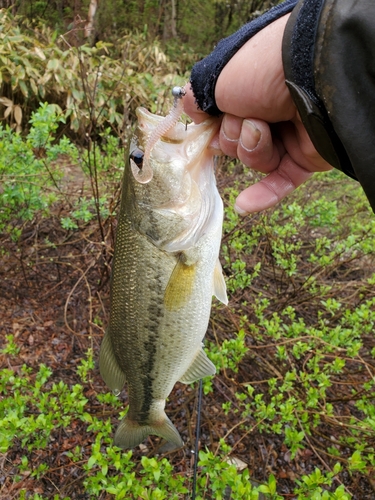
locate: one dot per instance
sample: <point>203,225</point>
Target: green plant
<point>304,359</point>
<point>11,347</point>
<point>311,486</point>
<point>217,476</point>
<point>270,489</point>
<point>38,65</point>
<point>28,169</point>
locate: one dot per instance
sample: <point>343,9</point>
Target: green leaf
<point>91,462</point>
<point>53,64</point>
<point>23,88</point>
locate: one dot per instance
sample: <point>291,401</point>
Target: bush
<point>92,88</point>
<point>29,173</point>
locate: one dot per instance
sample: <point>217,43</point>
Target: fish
<point>165,271</point>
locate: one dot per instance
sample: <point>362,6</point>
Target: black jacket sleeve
<point>329,63</point>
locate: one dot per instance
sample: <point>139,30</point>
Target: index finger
<point>252,83</point>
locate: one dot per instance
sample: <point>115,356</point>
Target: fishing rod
<point>197,436</point>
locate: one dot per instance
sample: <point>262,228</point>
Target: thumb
<point>273,188</point>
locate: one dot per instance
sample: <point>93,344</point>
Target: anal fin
<point>200,368</point>
<point>110,371</point>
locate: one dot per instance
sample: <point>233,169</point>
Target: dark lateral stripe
<point>155,314</point>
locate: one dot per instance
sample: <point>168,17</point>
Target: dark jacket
<point>329,64</point>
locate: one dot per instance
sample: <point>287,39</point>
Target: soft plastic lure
<point>142,171</point>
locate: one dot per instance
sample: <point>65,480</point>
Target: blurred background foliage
<point>116,55</point>
<point>165,19</point>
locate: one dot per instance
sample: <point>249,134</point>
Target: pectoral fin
<point>180,286</point>
<point>220,288</point>
<point>200,368</point>
<point>110,371</point>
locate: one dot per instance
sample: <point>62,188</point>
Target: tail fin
<point>130,433</point>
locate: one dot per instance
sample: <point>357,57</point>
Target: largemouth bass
<point>164,274</point>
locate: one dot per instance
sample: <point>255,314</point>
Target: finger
<point>256,147</point>
<point>273,188</point>
<point>190,106</point>
<point>251,141</point>
<point>229,136</point>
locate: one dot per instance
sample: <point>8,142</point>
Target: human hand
<point>261,125</point>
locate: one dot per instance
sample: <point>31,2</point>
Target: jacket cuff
<point>329,64</point>
<point>205,73</point>
<point>299,51</point>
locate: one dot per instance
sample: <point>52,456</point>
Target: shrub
<point>28,168</point>
<point>92,88</point>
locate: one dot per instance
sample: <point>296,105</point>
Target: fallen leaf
<point>239,464</point>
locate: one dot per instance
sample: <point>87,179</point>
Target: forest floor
<point>54,289</point>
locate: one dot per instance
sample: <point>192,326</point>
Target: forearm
<point>206,72</point>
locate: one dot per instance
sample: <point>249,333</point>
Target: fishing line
<point>197,436</point>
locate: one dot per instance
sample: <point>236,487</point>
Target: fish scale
<point>164,274</point>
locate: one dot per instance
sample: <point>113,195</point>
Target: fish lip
<point>188,144</point>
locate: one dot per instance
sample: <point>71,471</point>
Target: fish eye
<point>137,156</point>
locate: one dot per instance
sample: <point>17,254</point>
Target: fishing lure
<point>142,171</point>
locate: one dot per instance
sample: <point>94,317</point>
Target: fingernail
<point>250,135</point>
<point>239,210</point>
<point>229,132</point>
